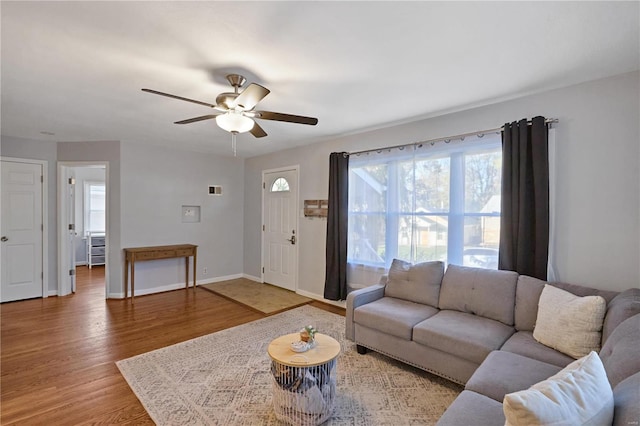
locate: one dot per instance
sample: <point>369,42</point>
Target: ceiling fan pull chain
<point>233,142</point>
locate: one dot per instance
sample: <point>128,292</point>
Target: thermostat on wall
<point>215,190</point>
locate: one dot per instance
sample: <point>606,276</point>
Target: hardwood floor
<point>58,354</point>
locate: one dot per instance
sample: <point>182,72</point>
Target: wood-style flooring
<point>58,354</point>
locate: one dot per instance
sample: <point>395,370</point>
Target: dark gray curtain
<point>335,284</point>
<point>524,223</point>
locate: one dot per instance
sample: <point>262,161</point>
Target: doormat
<point>264,298</point>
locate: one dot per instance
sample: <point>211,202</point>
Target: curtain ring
<point>480,135</point>
<point>448,140</point>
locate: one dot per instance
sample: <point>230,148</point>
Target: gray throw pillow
<point>418,283</point>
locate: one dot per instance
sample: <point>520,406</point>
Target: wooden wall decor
<point>316,208</point>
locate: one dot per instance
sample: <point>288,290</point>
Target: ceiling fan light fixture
<point>234,122</point>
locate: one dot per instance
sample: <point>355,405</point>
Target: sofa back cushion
<point>484,292</point>
<point>528,293</point>
<point>620,352</point>
<point>418,283</point>
<point>625,398</point>
<point>623,306</point>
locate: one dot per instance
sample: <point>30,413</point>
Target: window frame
<point>87,206</point>
<point>456,215</point>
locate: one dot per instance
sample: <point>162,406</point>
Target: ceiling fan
<point>235,110</point>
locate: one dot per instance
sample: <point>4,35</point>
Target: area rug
<point>264,298</point>
<point>224,378</point>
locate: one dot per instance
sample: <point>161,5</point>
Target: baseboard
<point>218,279</point>
<point>171,287</point>
<point>153,290</point>
<point>84,263</point>
<point>52,293</point>
<point>341,303</point>
<point>252,278</point>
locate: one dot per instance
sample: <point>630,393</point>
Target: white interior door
<point>22,235</point>
<point>279,247</point>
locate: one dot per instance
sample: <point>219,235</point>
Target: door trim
<point>63,251</point>
<point>295,168</point>
<point>45,217</point>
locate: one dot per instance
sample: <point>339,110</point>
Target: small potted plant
<point>307,334</point>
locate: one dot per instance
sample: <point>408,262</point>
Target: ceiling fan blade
<point>195,119</point>
<point>257,131</point>
<point>155,92</point>
<point>278,116</point>
<point>250,96</point>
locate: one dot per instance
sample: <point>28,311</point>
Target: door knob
<point>3,239</point>
<point>292,240</point>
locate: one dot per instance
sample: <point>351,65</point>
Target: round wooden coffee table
<point>304,384</point>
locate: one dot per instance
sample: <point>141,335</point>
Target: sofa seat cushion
<point>579,394</point>
<point>505,372</point>
<point>523,343</point>
<point>484,292</point>
<point>620,353</point>
<point>465,335</point>
<point>393,316</point>
<point>471,408</point>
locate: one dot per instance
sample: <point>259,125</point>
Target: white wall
<point>598,179</point>
<point>40,150</point>
<point>156,183</point>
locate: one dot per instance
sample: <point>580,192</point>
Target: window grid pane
<point>400,206</point>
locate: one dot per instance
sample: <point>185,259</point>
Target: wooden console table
<point>134,254</point>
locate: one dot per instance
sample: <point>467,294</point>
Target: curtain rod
<point>448,138</point>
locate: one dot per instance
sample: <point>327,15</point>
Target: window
<point>94,207</point>
<point>280,185</point>
<point>421,203</point>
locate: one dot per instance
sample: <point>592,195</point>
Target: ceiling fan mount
<point>234,111</point>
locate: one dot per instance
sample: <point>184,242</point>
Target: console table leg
<point>186,270</point>
<point>126,278</point>
<point>195,256</point>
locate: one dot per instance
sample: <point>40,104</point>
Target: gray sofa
<point>475,327</point>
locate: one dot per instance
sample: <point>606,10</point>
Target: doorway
<point>280,227</point>
<point>24,201</point>
<point>83,215</point>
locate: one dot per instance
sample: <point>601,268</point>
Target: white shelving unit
<point>95,249</point>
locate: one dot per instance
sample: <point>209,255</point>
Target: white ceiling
<point>75,69</point>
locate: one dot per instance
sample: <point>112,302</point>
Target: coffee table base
<point>303,395</point>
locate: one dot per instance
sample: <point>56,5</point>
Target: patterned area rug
<point>224,378</point>
<point>264,298</point>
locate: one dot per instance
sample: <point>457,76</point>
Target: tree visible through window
<point>437,202</point>
<point>280,185</point>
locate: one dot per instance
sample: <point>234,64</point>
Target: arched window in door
<point>280,185</point>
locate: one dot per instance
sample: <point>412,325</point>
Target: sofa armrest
<point>358,298</point>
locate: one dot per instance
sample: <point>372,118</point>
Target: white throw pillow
<point>568,323</point>
<point>578,395</point>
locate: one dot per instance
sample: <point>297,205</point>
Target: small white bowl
<point>299,346</point>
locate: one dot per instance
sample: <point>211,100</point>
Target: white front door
<point>22,224</point>
<point>280,254</point>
